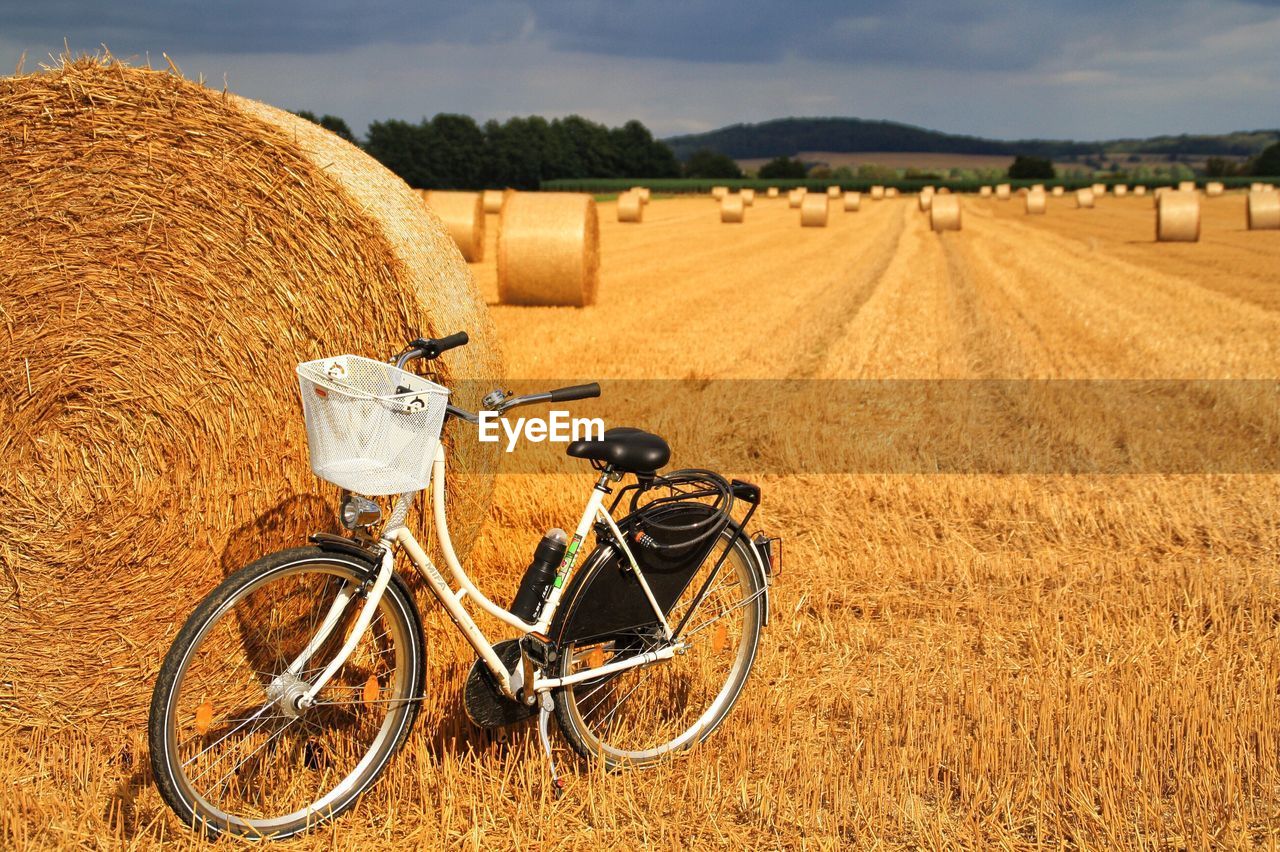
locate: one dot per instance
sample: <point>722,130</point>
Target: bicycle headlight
<point>359,511</point>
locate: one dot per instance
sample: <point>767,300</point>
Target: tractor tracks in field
<point>835,312</point>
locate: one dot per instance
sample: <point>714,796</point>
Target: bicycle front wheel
<point>641,714</point>
<point>229,750</point>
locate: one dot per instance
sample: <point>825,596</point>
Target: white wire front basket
<point>371,428</point>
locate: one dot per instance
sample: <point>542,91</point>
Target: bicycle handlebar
<point>430,348</point>
<point>589,391</point>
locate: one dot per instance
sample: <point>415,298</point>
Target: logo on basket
<point>320,392</point>
<point>558,428</point>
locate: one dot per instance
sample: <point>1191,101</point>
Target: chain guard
<point>486,706</point>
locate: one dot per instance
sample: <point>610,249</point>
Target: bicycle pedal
<point>486,706</point>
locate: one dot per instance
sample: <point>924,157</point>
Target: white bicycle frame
<point>509,682</point>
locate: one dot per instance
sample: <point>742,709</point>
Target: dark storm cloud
<point>961,34</point>
<point>263,26</point>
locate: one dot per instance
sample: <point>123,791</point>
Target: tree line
<point>452,151</point>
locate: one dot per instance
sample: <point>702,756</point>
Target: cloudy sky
<point>1087,69</point>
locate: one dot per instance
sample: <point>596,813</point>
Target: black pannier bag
<point>670,537</point>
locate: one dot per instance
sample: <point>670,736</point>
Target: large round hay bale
<point>945,190</point>
<point>642,192</point>
<point>1099,190</point>
<point>1262,211</point>
<point>732,209</point>
<point>890,192</point>
<point>852,201</point>
<point>1084,198</point>
<point>1178,217</point>
<point>170,254</point>
<point>1139,190</point>
<point>549,249</point>
<point>834,192</point>
<point>984,191</point>
<point>1035,202</point>
<point>1003,192</point>
<point>1214,188</point>
<point>1057,192</point>
<point>719,192</point>
<point>813,211</point>
<point>772,192</point>
<point>631,207</point>
<point>748,197</point>
<point>944,214</point>
<point>493,200</point>
<point>877,193</point>
<point>925,199</point>
<point>463,214</point>
<point>1120,190</point>
<point>795,197</point>
<point>1186,186</point>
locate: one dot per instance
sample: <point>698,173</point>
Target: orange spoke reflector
<point>719,638</point>
<point>371,689</point>
<point>204,717</point>
<point>596,660</point>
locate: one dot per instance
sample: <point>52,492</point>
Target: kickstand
<point>544,717</point>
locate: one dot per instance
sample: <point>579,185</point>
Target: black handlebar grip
<point>576,392</point>
<point>453,341</point>
<point>431,347</point>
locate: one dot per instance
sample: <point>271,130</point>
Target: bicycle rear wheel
<point>228,751</point>
<point>640,715</point>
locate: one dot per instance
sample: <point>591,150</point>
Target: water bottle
<point>539,576</point>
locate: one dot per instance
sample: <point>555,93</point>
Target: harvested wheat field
<point>999,659</point>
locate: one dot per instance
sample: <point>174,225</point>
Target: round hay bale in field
<point>493,200</point>
<point>834,192</point>
<point>630,207</point>
<point>877,193</point>
<point>732,209</point>
<point>463,214</point>
<point>1178,217</point>
<point>852,201</point>
<point>1214,188</point>
<point>929,189</point>
<point>719,192</point>
<point>1186,186</point>
<point>1057,192</point>
<point>170,254</point>
<point>1035,202</point>
<point>925,199</point>
<point>944,215</point>
<point>813,211</point>
<point>1003,192</point>
<point>1139,190</point>
<point>1099,189</point>
<point>748,197</point>
<point>549,249</point>
<point>643,192</point>
<point>794,198</point>
<point>1084,198</point>
<point>1120,190</point>
<point>890,192</point>
<point>772,192</point>
<point>946,190</point>
<point>984,191</point>
<point>1262,210</point>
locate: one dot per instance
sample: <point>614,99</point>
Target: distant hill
<point>789,136</point>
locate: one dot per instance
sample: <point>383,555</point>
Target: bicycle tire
<point>572,718</point>
<point>397,612</point>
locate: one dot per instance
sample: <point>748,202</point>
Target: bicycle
<point>289,688</point>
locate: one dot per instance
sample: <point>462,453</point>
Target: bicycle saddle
<point>627,449</point>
